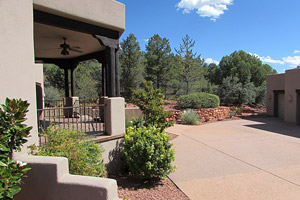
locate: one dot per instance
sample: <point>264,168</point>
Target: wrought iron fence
<point>88,119</point>
<point>54,103</point>
<point>60,103</point>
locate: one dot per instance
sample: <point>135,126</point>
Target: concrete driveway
<point>257,158</point>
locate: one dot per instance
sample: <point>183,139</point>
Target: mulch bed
<point>133,189</point>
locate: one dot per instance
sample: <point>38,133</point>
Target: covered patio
<point>66,41</point>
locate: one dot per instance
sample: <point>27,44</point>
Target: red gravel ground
<point>132,189</point>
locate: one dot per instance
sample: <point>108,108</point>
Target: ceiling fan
<point>66,48</point>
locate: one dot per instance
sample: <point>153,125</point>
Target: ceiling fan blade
<point>75,47</point>
<point>76,50</point>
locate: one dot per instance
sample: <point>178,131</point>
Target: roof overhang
<point>108,14</point>
<point>80,22</point>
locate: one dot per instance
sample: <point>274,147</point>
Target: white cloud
<point>205,8</point>
<point>210,60</point>
<point>268,59</point>
<point>296,51</point>
<point>146,40</point>
<point>294,61</point>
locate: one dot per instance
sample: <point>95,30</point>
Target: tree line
<point>239,78</point>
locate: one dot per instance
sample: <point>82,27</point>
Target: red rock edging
<point>205,114</point>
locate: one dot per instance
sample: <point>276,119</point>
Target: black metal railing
<point>54,103</point>
<point>87,119</point>
<point>60,103</point>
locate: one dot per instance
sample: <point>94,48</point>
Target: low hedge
<point>148,152</point>
<point>199,100</point>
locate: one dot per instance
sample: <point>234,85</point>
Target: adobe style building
<point>283,96</point>
<point>33,32</point>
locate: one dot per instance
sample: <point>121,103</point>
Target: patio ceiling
<point>95,42</point>
<point>47,40</point>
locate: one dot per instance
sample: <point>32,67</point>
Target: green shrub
<point>127,123</point>
<point>189,117</point>
<point>198,100</point>
<point>261,92</point>
<point>233,92</point>
<point>150,101</point>
<point>136,121</point>
<point>84,156</point>
<point>148,152</point>
<point>51,95</point>
<point>13,134</point>
<point>235,111</point>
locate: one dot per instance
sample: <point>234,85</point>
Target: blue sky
<point>270,29</point>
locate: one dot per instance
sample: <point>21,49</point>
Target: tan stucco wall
<point>292,82</point>
<point>106,13</point>
<point>112,155</point>
<point>274,82</point>
<point>49,179</point>
<point>289,82</point>
<point>19,74</point>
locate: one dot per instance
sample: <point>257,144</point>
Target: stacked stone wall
<point>205,114</point>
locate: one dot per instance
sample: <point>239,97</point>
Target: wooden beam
<point>111,81</point>
<point>117,76</point>
<point>67,90</point>
<point>97,55</point>
<point>70,24</point>
<point>65,62</point>
<point>73,87</point>
<point>62,63</point>
<point>107,42</point>
<point>104,79</point>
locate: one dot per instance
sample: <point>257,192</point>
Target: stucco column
<point>114,115</point>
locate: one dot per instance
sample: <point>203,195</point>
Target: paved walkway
<point>255,159</point>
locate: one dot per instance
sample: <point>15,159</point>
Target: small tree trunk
<point>187,87</point>
<point>166,91</point>
<point>157,81</point>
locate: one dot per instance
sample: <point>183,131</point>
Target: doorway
<point>279,104</point>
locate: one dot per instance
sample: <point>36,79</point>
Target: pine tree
<point>131,66</point>
<point>157,60</point>
<point>190,64</point>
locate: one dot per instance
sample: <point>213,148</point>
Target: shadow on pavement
<point>274,125</point>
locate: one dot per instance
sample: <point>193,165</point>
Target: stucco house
<point>283,96</point>
<point>63,32</point>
